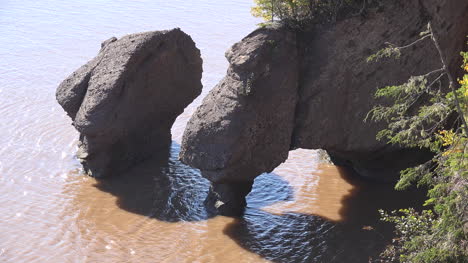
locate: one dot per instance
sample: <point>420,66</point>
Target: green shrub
<point>303,12</point>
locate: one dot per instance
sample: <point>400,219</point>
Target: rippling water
<point>50,212</point>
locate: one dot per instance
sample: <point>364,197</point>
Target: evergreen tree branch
<point>451,82</point>
<point>428,87</point>
<point>409,45</point>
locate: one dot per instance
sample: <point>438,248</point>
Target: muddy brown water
<point>304,211</point>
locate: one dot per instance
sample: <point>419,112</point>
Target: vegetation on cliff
<point>281,9</point>
<point>429,111</point>
<point>303,12</point>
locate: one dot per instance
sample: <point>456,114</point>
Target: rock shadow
<point>298,237</point>
<point>170,191</point>
<point>362,203</point>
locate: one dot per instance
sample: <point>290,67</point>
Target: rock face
<point>125,100</point>
<point>338,85</point>
<point>313,89</point>
<point>234,131</point>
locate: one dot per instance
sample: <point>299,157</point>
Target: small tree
<point>270,10</point>
<point>304,12</point>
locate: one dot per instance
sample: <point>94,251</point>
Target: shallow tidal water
<point>304,211</point>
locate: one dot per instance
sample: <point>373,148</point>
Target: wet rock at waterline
<point>228,199</point>
<point>312,89</point>
<point>125,100</point>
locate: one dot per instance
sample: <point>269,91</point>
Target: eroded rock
<point>228,199</point>
<point>234,135</point>
<point>234,131</point>
<point>125,100</point>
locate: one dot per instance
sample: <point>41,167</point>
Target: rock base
<point>228,199</point>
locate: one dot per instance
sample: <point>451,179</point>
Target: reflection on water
<point>50,212</point>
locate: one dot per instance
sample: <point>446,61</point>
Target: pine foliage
<point>429,111</point>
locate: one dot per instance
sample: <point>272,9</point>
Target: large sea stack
<point>125,100</point>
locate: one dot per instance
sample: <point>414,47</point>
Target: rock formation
<point>125,100</point>
<point>234,135</point>
<point>312,89</point>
